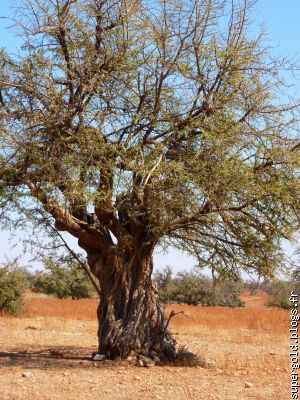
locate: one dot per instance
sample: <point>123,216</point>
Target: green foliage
<point>134,105</point>
<point>295,277</point>
<point>163,281</point>
<point>190,289</point>
<point>195,289</point>
<point>281,303</point>
<point>280,298</point>
<point>227,293</point>
<point>63,280</point>
<point>281,291</point>
<point>13,282</point>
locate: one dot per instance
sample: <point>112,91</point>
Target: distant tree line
<point>59,279</point>
<point>62,281</point>
<point>66,279</point>
<point>193,288</point>
<point>279,289</point>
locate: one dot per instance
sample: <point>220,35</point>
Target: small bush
<point>163,281</point>
<point>63,280</point>
<point>193,288</point>
<point>285,304</point>
<point>281,297</point>
<point>190,288</point>
<point>228,294</point>
<point>12,286</point>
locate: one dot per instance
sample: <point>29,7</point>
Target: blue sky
<point>281,21</point>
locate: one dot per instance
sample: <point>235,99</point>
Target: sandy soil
<point>242,351</point>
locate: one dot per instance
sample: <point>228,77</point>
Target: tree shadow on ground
<point>50,358</point>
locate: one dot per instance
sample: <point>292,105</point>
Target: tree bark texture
<point>129,314</point>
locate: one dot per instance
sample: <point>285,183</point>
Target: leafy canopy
<point>157,122</point>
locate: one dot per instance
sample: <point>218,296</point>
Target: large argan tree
<point>135,124</point>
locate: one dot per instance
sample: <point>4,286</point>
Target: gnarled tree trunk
<point>129,314</point>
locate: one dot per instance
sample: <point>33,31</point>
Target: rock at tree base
<point>99,357</point>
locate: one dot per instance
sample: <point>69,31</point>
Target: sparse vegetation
<point>60,280</point>
<point>63,280</point>
<point>193,288</point>
<point>192,319</point>
<point>280,293</point>
<point>278,289</point>
<point>161,123</point>
<point>231,339</point>
<point>13,281</point>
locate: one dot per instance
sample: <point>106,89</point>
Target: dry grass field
<point>54,342</point>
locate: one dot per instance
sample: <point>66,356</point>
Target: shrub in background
<point>13,282</point>
<point>281,297</point>
<point>63,280</point>
<point>194,288</point>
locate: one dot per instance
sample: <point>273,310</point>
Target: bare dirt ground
<point>55,341</point>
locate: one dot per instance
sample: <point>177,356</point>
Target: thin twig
<point>172,314</point>
<point>74,255</point>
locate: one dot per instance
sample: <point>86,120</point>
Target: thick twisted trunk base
<point>131,319</point>
<point>141,329</point>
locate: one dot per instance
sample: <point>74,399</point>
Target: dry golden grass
<point>257,299</point>
<point>84,309</point>
<point>254,316</point>
<point>245,345</point>
<point>258,319</point>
